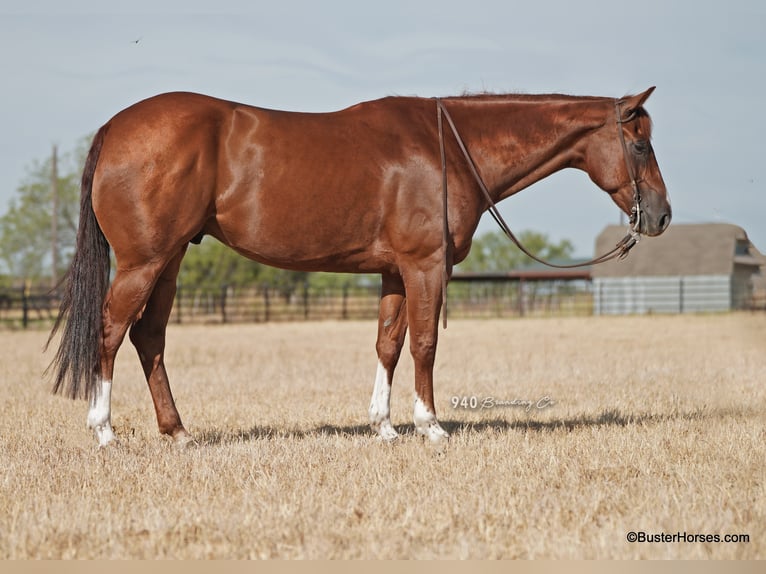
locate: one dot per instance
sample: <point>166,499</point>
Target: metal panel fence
<point>641,295</point>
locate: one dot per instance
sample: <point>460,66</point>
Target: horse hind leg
<point>148,337</point>
<point>127,295</point>
<point>392,327</point>
<point>100,414</point>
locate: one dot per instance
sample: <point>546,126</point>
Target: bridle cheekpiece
<point>634,226</point>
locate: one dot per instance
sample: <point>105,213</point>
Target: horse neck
<point>516,141</point>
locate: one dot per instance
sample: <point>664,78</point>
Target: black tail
<point>78,360</point>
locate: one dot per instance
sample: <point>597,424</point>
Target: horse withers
<point>359,190</point>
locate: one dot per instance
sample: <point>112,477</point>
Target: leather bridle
<point>635,215</point>
<point>620,250</point>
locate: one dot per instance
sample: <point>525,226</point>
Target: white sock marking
<point>100,414</point>
<point>426,423</point>
<point>380,406</point>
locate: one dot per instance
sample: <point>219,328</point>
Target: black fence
<point>23,307</point>
<point>531,293</point>
<point>469,296</point>
<point>264,303</point>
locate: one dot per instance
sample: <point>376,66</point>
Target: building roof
<point>684,249</point>
<point>525,274</point>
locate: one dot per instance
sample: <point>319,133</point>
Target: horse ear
<point>632,103</point>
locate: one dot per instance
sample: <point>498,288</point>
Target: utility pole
<point>54,218</point>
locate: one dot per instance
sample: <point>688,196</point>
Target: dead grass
<point>658,425</point>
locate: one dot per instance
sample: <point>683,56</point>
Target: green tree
<point>212,265</point>
<point>494,252</point>
<point>25,228</point>
<point>338,281</point>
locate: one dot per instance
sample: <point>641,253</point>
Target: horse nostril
<point>664,221</point>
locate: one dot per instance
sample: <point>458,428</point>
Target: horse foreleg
<point>148,337</point>
<point>392,327</point>
<point>424,303</point>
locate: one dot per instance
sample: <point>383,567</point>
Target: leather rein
<point>620,250</point>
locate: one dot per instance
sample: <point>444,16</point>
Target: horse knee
<point>388,352</point>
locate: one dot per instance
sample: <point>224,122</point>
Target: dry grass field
<point>645,424</point>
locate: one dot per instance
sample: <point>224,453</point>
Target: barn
<point>690,268</point>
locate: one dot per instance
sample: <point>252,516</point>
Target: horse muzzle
<point>653,221</point>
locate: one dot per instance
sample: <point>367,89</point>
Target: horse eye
<point>640,147</point>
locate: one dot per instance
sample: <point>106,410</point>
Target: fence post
<point>266,304</point>
<point>178,303</point>
<point>224,290</point>
<point>599,306</point>
<point>344,312</point>
<point>681,295</point>
<point>24,307</point>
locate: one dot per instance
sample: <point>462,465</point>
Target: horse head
<point>619,158</point>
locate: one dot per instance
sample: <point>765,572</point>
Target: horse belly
<point>311,234</point>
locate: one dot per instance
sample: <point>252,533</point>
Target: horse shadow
<point>606,418</point>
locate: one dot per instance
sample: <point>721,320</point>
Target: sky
<point>67,67</point>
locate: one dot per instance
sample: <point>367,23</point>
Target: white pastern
<point>380,406</point>
<point>426,423</point>
<point>100,414</point>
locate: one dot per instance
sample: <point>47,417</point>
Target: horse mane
<point>489,96</point>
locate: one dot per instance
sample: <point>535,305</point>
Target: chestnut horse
<point>358,190</point>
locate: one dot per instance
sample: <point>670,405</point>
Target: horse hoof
<point>386,433</point>
<point>439,438</point>
<point>110,444</point>
<point>105,435</point>
<point>184,440</point>
<point>435,434</point>
<point>388,438</point>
